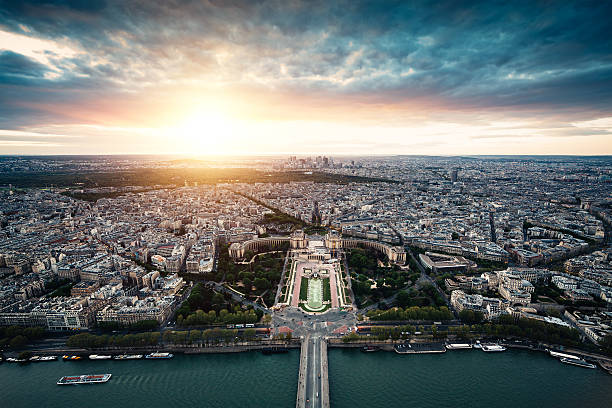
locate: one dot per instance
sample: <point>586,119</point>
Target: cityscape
<point>304,203</point>
<point>402,254</point>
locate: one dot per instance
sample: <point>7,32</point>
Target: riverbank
<point>604,362</point>
<point>175,349</point>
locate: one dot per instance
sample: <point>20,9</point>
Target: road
<point>313,374</point>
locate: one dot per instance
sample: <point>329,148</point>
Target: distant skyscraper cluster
<point>317,162</point>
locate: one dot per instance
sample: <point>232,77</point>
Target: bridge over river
<point>313,383</point>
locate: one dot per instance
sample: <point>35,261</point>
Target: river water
<point>455,379</point>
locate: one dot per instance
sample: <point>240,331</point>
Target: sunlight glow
<point>206,132</point>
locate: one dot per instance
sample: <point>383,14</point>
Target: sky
<point>305,77</point>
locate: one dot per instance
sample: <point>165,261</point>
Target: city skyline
<point>341,78</point>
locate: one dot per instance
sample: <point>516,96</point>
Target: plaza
<point>315,281</point>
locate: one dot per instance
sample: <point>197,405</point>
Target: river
<point>454,379</point>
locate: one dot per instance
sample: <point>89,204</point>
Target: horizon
<point>283,154</point>
<point>305,78</point>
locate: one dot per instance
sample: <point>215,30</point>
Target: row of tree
<point>201,318</point>
<point>89,341</point>
<point>17,336</point>
<point>143,325</point>
<point>206,337</point>
<point>505,327</point>
<point>186,337</point>
<point>429,313</point>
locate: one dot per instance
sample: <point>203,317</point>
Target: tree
<point>402,299</point>
<point>261,283</point>
<point>195,336</point>
<point>18,341</point>
<point>471,317</point>
<point>218,299</point>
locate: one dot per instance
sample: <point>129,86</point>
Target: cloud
<point>13,65</point>
<point>92,61</point>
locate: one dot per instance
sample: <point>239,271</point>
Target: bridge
<point>313,383</point>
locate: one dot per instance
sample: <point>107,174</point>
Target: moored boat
<point>43,358</point>
<point>274,350</point>
<point>458,346</point>
<point>557,354</point>
<point>100,357</point>
<point>71,358</point>
<point>580,362</point>
<point>128,357</point>
<point>159,355</point>
<point>370,349</point>
<point>403,349</point>
<point>84,379</point>
<point>16,360</point>
<point>489,347</point>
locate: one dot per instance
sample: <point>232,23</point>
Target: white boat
<point>16,360</point>
<point>477,345</point>
<point>492,347</point>
<point>580,362</point>
<point>128,357</point>
<point>43,358</point>
<point>458,346</point>
<point>159,355</point>
<point>84,379</point>
<point>100,357</point>
<point>556,354</point>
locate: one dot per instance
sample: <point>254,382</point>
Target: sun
<point>206,132</point>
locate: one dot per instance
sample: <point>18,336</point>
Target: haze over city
<point>294,77</point>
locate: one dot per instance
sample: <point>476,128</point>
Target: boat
<point>100,357</point>
<point>477,345</point>
<point>72,358</point>
<point>274,350</point>
<point>16,360</point>
<point>403,349</point>
<point>128,357</point>
<point>492,347</point>
<point>557,354</point>
<point>458,346</point>
<point>580,362</point>
<point>43,358</point>
<point>84,379</point>
<point>370,349</point>
<point>159,355</point>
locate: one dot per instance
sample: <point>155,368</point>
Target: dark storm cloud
<point>476,55</point>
